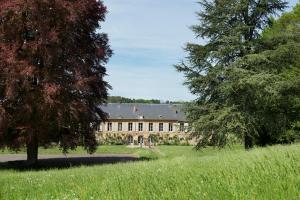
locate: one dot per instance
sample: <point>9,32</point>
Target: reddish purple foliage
<point>51,72</point>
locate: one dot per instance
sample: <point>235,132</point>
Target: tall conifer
<point>231,29</point>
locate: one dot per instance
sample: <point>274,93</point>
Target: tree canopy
<point>52,59</point>
<point>119,99</point>
<point>245,76</point>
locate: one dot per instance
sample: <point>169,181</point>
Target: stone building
<point>144,124</point>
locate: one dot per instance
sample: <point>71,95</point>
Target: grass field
<point>116,149</point>
<point>176,173</point>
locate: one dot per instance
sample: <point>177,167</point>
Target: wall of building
<point>104,132</point>
<point>135,126</point>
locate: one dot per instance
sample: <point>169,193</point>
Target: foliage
<point>179,173</point>
<point>245,77</point>
<point>112,140</point>
<point>265,86</point>
<point>51,73</point>
<point>118,99</point>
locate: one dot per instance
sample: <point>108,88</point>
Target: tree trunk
<point>32,150</point>
<point>248,142</point>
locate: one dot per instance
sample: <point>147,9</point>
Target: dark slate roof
<point>144,111</point>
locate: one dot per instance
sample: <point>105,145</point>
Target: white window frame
<point>150,128</point>
<point>140,126</point>
<point>170,127</point>
<point>161,127</point>
<point>181,127</point>
<point>130,126</point>
<point>120,126</point>
<point>109,126</point>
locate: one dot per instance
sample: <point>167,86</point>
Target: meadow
<point>173,172</point>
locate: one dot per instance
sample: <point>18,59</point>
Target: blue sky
<point>148,37</point>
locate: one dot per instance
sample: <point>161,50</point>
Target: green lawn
<point>178,173</point>
<point>106,149</point>
<point>101,149</point>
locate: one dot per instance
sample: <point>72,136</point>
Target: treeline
<point>119,99</point>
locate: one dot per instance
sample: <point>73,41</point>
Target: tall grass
<point>111,149</point>
<point>179,173</point>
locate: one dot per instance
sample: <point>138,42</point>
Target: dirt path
<point>17,161</point>
<point>22,157</point>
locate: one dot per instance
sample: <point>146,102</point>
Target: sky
<point>148,37</point>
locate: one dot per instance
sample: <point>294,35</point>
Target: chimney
<point>135,109</point>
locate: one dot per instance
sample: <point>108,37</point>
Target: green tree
<point>118,99</point>
<point>265,86</point>
<point>52,64</point>
<point>236,74</point>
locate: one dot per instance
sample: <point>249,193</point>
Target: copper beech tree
<point>52,64</point>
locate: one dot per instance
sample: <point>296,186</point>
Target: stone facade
<point>142,124</point>
<point>143,132</point>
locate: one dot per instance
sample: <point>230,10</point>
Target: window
<point>140,126</point>
<point>109,126</point>
<point>140,139</point>
<point>129,126</point>
<point>150,139</point>
<point>170,127</point>
<point>119,126</point>
<point>130,139</point>
<point>161,127</point>
<point>181,127</point>
<point>98,128</point>
<point>150,126</point>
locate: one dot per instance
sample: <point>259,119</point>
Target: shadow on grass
<point>65,163</point>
